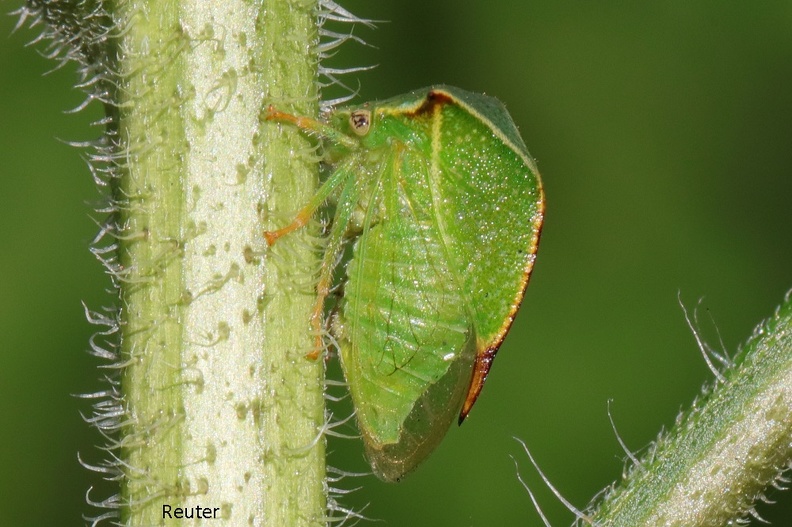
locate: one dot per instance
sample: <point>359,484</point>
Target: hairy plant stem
<point>710,469</point>
<point>223,409</point>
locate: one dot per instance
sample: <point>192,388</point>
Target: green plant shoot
<point>445,206</point>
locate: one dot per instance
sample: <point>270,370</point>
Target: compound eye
<point>360,121</point>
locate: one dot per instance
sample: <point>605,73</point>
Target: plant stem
<point>223,409</point>
<point>710,469</point>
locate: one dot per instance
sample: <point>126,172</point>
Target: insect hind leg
<point>346,206</point>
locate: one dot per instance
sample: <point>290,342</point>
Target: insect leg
<point>305,214</point>
<point>346,206</point>
<point>312,126</point>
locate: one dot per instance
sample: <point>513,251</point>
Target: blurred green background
<point>663,131</point>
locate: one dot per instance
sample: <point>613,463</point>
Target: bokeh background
<point>663,131</point>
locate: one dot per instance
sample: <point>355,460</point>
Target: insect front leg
<point>312,126</point>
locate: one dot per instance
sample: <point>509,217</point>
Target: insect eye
<point>360,121</point>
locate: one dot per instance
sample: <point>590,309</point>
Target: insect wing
<point>408,345</point>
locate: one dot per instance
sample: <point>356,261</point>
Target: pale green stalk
<point>223,409</point>
<point>710,469</point>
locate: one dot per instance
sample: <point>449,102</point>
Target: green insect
<point>445,205</point>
